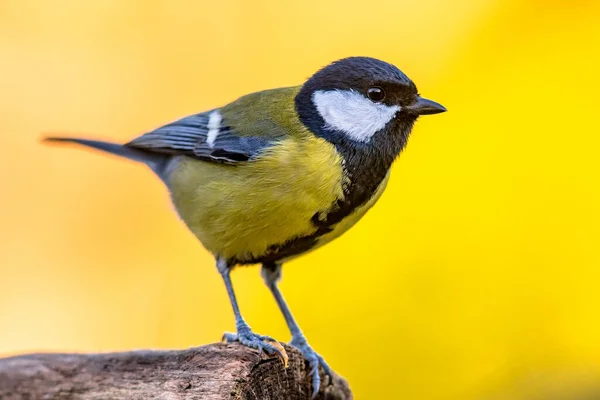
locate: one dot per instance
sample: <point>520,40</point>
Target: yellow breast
<point>240,211</point>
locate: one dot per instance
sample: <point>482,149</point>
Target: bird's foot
<point>261,343</point>
<point>314,360</point>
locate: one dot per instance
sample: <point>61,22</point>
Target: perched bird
<point>281,172</point>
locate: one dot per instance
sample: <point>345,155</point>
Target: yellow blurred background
<point>475,277</point>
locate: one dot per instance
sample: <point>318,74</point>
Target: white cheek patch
<point>352,113</point>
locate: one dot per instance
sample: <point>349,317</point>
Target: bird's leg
<point>244,334</point>
<point>271,273</point>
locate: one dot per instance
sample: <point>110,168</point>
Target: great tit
<point>280,172</point>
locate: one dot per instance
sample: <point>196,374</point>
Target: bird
<point>280,172</point>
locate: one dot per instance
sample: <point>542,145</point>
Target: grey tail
<point>157,162</point>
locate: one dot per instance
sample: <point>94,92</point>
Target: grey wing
<point>204,136</point>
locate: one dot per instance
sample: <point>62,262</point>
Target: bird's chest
<point>366,174</point>
<point>330,223</point>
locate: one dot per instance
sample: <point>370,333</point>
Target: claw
<point>261,343</point>
<point>314,360</point>
<point>282,353</point>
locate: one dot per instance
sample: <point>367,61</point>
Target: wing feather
<point>189,136</point>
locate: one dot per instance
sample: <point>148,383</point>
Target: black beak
<point>423,107</point>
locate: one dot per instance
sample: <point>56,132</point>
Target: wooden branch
<point>216,371</point>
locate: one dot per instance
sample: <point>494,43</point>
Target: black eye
<point>376,93</point>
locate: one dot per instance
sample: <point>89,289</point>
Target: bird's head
<point>358,99</point>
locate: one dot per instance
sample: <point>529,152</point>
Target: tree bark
<point>216,371</point>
